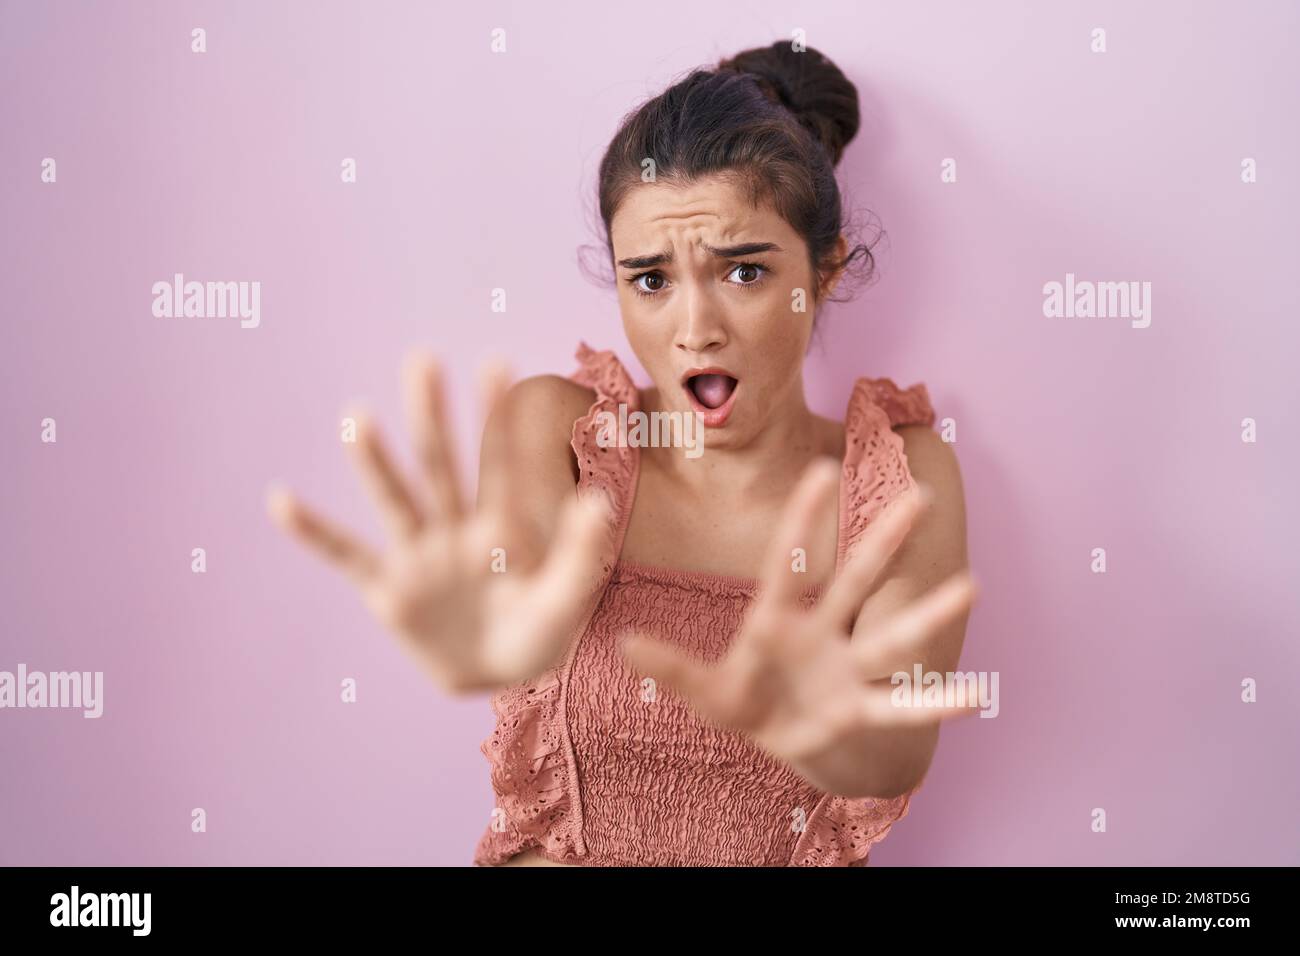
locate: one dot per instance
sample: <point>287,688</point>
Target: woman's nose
<point>701,326</point>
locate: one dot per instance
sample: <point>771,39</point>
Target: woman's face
<point>705,280</point>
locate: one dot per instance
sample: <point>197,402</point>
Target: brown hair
<point>775,118</point>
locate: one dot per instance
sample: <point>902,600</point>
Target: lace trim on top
<point>610,469</point>
<point>533,767</point>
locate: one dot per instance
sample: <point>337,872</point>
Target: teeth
<point>712,390</point>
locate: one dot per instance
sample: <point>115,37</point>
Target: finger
<point>781,584</point>
<point>425,386</point>
<point>559,589</point>
<point>900,639</point>
<point>668,665</point>
<point>397,506</point>
<point>883,708</point>
<point>319,534</point>
<point>852,586</point>
<point>580,543</point>
<point>496,482</point>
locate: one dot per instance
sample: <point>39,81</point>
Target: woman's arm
<point>933,551</point>
<point>526,451</point>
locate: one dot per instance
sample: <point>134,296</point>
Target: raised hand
<point>797,681</point>
<point>475,594</point>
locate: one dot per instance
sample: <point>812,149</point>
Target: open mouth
<point>710,389</point>
<point>712,393</point>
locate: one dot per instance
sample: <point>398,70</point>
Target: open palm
<point>474,593</point>
<point>796,680</point>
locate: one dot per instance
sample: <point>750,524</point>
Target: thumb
<point>665,663</point>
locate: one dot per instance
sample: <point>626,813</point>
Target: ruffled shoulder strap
<point>875,467</point>
<point>611,466</point>
<point>603,372</point>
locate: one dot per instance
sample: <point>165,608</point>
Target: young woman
<point>691,654</point>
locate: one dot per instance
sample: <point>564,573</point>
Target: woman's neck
<point>766,465</point>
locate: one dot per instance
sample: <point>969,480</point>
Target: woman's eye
<point>747,273</point>
<point>649,282</point>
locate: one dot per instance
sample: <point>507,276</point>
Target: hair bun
<point>808,84</point>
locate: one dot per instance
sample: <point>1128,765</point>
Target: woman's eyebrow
<point>647,262</point>
<point>744,249</point>
<point>726,252</point>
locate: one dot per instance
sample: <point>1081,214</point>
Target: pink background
<point>1118,691</point>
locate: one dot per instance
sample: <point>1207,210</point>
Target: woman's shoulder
<point>535,424</point>
<point>549,409</point>
<point>560,399</point>
<point>551,397</point>
<point>543,407</point>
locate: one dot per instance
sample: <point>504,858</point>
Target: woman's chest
<point>725,535</point>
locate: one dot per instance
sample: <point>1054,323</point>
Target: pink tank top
<point>587,771</point>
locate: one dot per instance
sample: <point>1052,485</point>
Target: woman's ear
<point>831,279</point>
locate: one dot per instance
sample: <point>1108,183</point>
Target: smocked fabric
<point>594,764</point>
